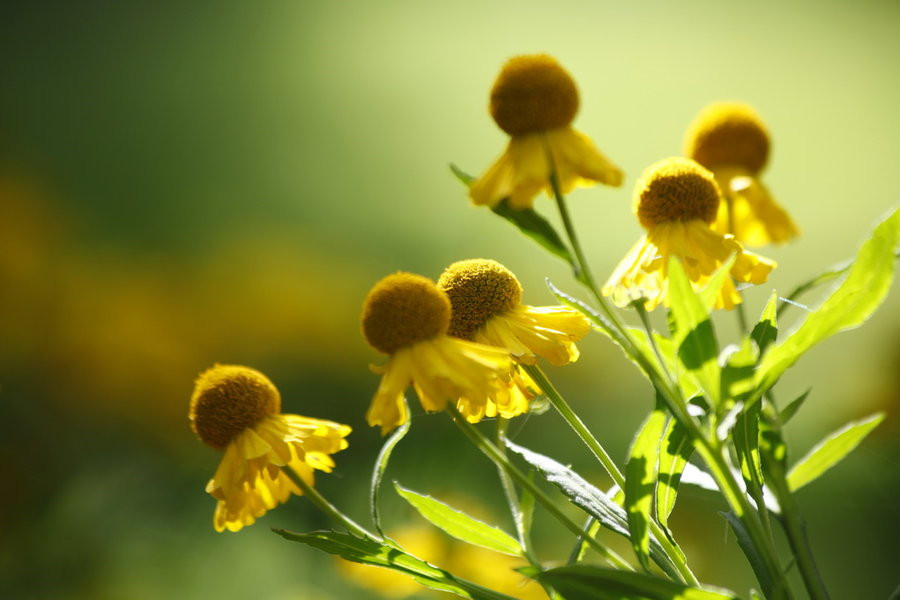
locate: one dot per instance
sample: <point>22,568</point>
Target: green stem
<point>509,490</point>
<point>331,510</point>
<point>574,421</point>
<point>500,459</point>
<point>795,528</point>
<point>742,318</point>
<point>711,452</point>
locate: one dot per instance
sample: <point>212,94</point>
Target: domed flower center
<point>478,289</point>
<point>403,309</point>
<point>728,134</point>
<point>227,400</point>
<point>675,189</point>
<point>533,93</point>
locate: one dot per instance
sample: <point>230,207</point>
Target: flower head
<point>486,299</point>
<point>408,317</point>
<point>676,201</point>
<point>236,409</point>
<point>534,100</point>
<point>730,139</point>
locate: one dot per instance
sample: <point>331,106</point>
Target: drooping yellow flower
<point>534,100</point>
<point>407,317</point>
<point>237,410</point>
<point>676,200</point>
<point>730,139</point>
<point>487,308</point>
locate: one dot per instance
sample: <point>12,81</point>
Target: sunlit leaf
<point>766,330</point>
<point>710,293</point>
<point>675,449</point>
<point>694,337</point>
<point>588,582</point>
<point>640,481</point>
<point>460,525</point>
<point>372,552</point>
<point>791,409</point>
<point>831,451</point>
<point>850,305</point>
<point>381,464</point>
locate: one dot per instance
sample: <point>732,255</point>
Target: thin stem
<point>742,318</point>
<point>329,509</point>
<point>509,490</point>
<point>491,451</point>
<point>577,425</point>
<point>645,320</point>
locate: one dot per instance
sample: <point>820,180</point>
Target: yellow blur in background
<point>190,183</point>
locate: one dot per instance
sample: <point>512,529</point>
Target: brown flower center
<point>728,134</point>
<point>227,400</point>
<point>403,309</point>
<point>533,93</point>
<point>478,289</point>
<point>675,189</point>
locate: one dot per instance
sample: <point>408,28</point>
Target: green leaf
<point>757,563</point>
<point>533,225</point>
<point>791,409</point>
<point>831,451</point>
<point>381,464</point>
<point>739,369</point>
<point>587,582</point>
<point>640,481</point>
<point>694,336</point>
<point>373,552</point>
<point>765,332</point>
<point>464,177</point>
<point>746,445</point>
<point>460,525</point>
<point>590,499</point>
<point>850,305</point>
<point>710,293</point>
<point>675,449</point>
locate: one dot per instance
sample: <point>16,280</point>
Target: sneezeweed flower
<point>534,100</point>
<point>237,410</point>
<point>676,201</point>
<point>487,308</point>
<point>407,317</point>
<point>730,139</point>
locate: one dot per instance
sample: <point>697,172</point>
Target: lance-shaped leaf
<point>764,576</point>
<point>640,481</point>
<point>675,449</point>
<point>766,331</point>
<point>694,337</point>
<point>850,305</point>
<point>527,220</point>
<point>373,552</point>
<point>831,451</point>
<point>460,525</point>
<point>588,582</point>
<point>590,499</point>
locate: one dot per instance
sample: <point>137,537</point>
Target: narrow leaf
<point>381,464</point>
<point>588,582</point>
<point>694,337</point>
<point>675,449</point>
<point>460,525</point>
<point>850,305</point>
<point>640,481</point>
<point>765,332</point>
<point>831,451</point>
<point>373,552</point>
<point>590,499</point>
<point>527,220</point>
<point>745,542</point>
<point>791,409</point>
<point>710,293</point>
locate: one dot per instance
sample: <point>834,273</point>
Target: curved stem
<point>329,509</point>
<point>493,453</point>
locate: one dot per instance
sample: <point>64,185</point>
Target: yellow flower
<point>237,410</point>
<point>730,139</point>
<point>486,300</point>
<point>676,200</point>
<point>407,317</point>
<point>534,100</point>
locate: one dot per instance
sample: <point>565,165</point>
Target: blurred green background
<point>184,183</point>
